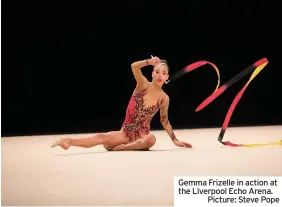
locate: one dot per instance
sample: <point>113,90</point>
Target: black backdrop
<point>66,65</point>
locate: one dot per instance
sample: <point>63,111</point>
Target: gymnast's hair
<point>164,62</point>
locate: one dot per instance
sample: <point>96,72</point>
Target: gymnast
<point>147,99</point>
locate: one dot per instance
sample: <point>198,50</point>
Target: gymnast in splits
<point>147,99</point>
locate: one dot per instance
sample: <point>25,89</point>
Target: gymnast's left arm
<point>167,126</point>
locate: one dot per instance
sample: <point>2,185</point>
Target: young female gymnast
<point>147,99</point>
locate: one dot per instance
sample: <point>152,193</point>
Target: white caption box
<point>227,191</point>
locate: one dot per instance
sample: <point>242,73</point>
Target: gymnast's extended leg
<point>145,143</point>
<point>109,140</point>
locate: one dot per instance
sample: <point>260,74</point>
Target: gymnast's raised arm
<point>136,69</point>
<point>167,126</point>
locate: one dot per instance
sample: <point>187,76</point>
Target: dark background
<point>66,65</point>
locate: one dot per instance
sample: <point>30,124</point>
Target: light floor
<point>35,174</point>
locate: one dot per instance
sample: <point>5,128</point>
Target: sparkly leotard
<point>138,118</point>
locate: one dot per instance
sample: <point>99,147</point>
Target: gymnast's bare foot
<point>63,143</point>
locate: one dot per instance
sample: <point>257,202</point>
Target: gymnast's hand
<point>154,61</point>
<point>182,144</point>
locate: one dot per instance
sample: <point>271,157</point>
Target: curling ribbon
<point>257,67</point>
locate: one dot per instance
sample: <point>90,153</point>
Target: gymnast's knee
<point>149,141</point>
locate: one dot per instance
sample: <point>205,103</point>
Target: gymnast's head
<point>160,73</point>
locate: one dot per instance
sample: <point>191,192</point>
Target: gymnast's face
<point>160,74</point>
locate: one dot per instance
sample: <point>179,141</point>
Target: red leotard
<point>138,118</point>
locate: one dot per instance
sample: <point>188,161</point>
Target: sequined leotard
<point>138,118</point>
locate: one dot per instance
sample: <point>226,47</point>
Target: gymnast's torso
<point>138,115</point>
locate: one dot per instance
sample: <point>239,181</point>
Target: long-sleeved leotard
<point>138,117</point>
<point>164,119</point>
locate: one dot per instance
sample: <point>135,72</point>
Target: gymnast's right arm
<point>136,69</point>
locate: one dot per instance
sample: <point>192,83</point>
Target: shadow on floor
<point>136,151</point>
